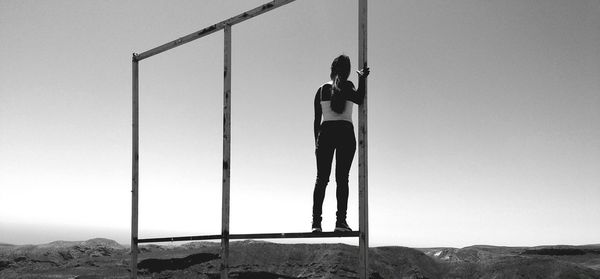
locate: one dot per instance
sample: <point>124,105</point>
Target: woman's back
<point>325,100</point>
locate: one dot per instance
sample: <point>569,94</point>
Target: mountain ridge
<point>262,259</point>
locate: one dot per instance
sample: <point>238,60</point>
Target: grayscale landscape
<point>477,126</point>
<point>105,258</point>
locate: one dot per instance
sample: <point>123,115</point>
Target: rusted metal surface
<point>214,28</point>
<point>363,189</point>
<point>134,165</point>
<point>252,236</point>
<point>226,153</point>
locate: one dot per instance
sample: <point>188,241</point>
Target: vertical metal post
<point>363,199</point>
<point>134,166</point>
<point>226,154</point>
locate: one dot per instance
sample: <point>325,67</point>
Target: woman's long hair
<point>340,70</point>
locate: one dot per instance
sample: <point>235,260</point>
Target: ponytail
<point>338,100</point>
<point>340,70</point>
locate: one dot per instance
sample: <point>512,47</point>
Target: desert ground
<point>105,258</point>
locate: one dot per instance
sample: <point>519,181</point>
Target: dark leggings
<point>335,136</point>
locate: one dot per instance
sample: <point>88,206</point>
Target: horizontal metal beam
<point>252,236</point>
<point>213,28</point>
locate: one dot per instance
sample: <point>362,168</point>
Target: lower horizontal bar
<point>179,238</point>
<point>294,235</point>
<point>252,236</point>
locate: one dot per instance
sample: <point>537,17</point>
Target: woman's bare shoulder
<point>326,85</point>
<point>348,85</point>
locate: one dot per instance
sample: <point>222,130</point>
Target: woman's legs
<point>338,137</point>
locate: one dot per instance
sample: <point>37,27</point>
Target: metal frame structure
<point>225,236</point>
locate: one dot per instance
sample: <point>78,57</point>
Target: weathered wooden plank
<point>226,153</point>
<point>214,28</point>
<point>180,238</point>
<point>294,235</point>
<point>362,149</point>
<point>134,166</point>
<point>252,236</point>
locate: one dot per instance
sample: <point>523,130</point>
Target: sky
<point>484,119</point>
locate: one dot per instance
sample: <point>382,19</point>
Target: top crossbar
<point>213,28</point>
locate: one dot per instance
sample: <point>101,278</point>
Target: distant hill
<point>101,258</point>
<point>519,262</point>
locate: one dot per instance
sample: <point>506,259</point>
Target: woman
<point>333,102</point>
